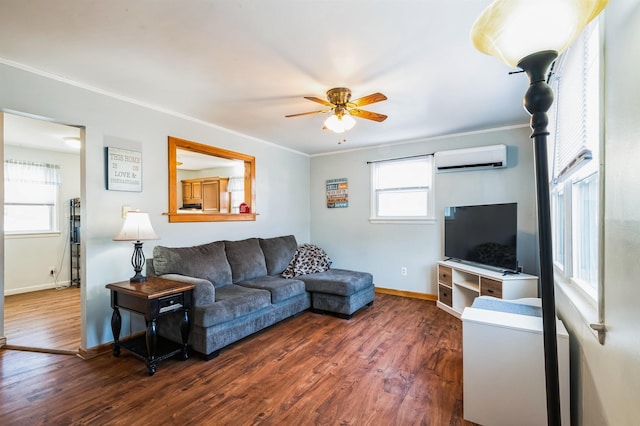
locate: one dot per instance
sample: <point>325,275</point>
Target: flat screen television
<point>483,234</point>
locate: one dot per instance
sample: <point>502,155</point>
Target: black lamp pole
<point>537,102</point>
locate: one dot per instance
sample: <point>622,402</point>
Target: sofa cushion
<point>307,259</point>
<point>232,301</point>
<point>337,281</point>
<point>207,261</point>
<point>246,259</point>
<point>278,252</point>
<point>280,288</point>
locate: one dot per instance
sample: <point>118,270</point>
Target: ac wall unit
<point>483,157</point>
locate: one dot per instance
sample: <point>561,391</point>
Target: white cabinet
<point>459,284</point>
<point>504,369</point>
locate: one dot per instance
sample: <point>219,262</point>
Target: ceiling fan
<point>343,108</point>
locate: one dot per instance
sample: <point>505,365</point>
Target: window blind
<point>576,134</point>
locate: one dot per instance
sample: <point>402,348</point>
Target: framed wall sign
<point>337,193</point>
<point>123,169</point>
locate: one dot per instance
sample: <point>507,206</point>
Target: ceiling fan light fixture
<point>343,109</point>
<point>340,124</point>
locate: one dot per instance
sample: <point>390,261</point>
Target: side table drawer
<point>170,303</point>
<point>444,295</point>
<point>489,287</point>
<point>444,275</point>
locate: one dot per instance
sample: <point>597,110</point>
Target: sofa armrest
<point>204,292</point>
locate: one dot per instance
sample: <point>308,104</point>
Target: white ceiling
<point>189,160</point>
<point>34,133</point>
<point>244,65</point>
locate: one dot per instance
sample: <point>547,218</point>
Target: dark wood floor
<point>47,320</point>
<point>396,363</point>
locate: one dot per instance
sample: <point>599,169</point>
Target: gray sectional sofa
<point>239,289</point>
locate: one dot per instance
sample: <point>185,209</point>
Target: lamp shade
<point>136,227</point>
<point>511,30</point>
<point>340,124</point>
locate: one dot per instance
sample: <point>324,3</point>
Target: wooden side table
<point>152,299</point>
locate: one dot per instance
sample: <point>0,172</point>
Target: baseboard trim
<point>3,341</point>
<point>102,349</point>
<point>87,354</point>
<point>40,287</point>
<point>41,350</point>
<point>411,294</point>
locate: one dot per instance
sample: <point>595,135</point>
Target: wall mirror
<point>209,184</point>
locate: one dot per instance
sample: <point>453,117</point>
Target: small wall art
<point>123,169</point>
<point>337,193</point>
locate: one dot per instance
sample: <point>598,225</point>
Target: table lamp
<point>137,227</point>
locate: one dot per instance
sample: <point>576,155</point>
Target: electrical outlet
<point>403,271</point>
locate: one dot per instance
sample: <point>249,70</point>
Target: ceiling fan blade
<point>370,99</point>
<point>307,113</point>
<point>320,101</point>
<point>368,115</point>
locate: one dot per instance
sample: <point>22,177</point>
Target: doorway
<point>41,186</point>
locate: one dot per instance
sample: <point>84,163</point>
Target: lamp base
<point>137,261</point>
<point>138,278</point>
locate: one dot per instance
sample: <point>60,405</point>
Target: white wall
<point>28,258</point>
<point>382,249</point>
<point>606,378</point>
<point>282,200</point>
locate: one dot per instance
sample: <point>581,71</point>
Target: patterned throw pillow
<point>307,259</point>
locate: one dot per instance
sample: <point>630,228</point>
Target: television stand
<point>459,284</point>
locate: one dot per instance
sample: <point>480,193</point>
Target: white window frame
<point>559,210</point>
<point>375,167</point>
<point>589,301</point>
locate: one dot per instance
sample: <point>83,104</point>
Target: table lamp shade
<point>511,30</point>
<point>136,227</point>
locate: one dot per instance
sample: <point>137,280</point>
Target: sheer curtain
<point>236,188</point>
<point>17,171</point>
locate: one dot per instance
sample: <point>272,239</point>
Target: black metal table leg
<point>184,331</point>
<point>152,341</point>
<point>116,323</point>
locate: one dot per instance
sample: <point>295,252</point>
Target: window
<point>30,197</point>
<point>585,232</point>
<point>236,188</point>
<point>575,182</point>
<point>401,190</point>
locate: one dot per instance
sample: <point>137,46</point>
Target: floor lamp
<point>530,34</point>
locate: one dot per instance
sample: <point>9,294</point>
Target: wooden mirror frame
<point>249,183</point>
